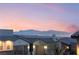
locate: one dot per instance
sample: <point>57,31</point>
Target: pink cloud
<point>23,24</point>
<point>72,28</point>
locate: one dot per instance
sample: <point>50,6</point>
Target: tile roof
<point>76,33</point>
<point>32,39</point>
<point>47,39</point>
<point>12,38</point>
<point>68,40</point>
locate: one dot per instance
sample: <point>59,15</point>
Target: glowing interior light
<point>77,49</point>
<point>9,44</point>
<point>1,43</point>
<point>33,46</point>
<point>45,47</point>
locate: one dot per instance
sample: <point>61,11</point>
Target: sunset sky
<point>60,17</point>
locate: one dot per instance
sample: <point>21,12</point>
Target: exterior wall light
<point>28,47</point>
<point>67,47</point>
<point>45,47</point>
<point>34,46</point>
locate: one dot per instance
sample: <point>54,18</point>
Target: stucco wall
<point>51,50</point>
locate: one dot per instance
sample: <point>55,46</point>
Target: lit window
<point>1,45</point>
<point>77,49</point>
<point>9,45</point>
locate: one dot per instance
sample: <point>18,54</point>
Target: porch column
<point>34,48</point>
<point>45,49</point>
<point>28,49</point>
<point>31,49</point>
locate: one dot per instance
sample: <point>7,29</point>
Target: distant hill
<point>43,33</point>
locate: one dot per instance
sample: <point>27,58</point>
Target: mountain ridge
<point>42,33</point>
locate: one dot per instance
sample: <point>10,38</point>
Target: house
<point>18,44</point>
<point>11,44</point>
<point>68,43</point>
<point>76,36</point>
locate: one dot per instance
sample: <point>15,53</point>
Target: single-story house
<point>31,45</point>
<point>76,36</point>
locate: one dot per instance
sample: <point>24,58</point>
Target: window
<point>77,49</point>
<point>9,45</point>
<point>1,45</point>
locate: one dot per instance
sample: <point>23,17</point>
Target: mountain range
<point>43,33</point>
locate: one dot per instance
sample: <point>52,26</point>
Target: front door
<point>40,50</point>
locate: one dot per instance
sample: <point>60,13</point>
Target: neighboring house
<point>35,45</point>
<point>76,36</point>
<point>68,43</point>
